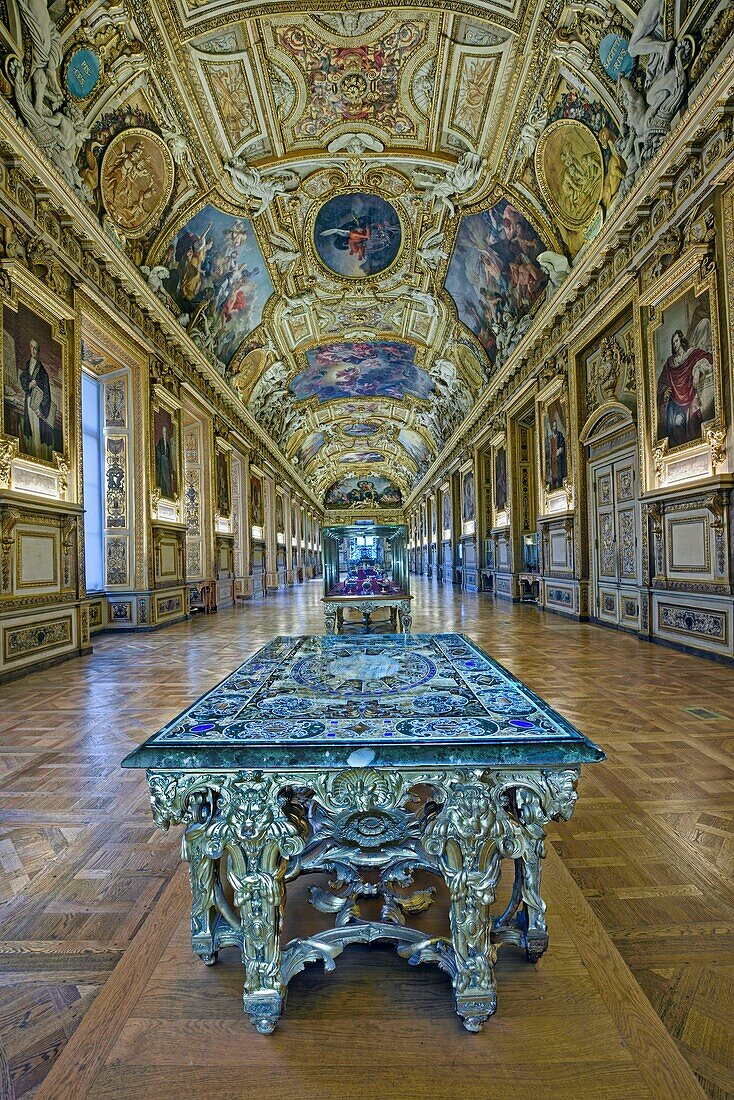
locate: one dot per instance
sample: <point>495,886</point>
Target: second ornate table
<point>371,758</point>
<point>335,606</point>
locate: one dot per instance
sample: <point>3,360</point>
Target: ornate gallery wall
<point>190,514</point>
<point>609,432</point>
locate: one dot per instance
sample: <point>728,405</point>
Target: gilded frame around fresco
<point>160,401</point>
<point>26,291</point>
<point>693,273</point>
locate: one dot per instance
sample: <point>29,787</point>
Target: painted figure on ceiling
<point>191,252</point>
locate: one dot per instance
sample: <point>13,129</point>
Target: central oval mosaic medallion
<point>357,235</point>
<point>366,673</point>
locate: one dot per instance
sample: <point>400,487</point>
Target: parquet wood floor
<point>651,847</point>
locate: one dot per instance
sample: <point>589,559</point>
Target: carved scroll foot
<point>536,946</point>
<point>210,959</point>
<point>330,621</point>
<point>264,1007</point>
<point>475,1010</point>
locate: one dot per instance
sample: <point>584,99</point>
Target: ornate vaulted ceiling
<point>355,213</point>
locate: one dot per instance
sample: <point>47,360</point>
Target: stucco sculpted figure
<point>156,277</point>
<point>59,133</point>
<point>457,181</point>
<point>431,250</point>
<point>284,252</point>
<point>45,52</point>
<point>556,267</point>
<point>252,184</point>
<point>536,122</point>
<point>650,110</point>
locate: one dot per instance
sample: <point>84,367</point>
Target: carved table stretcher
<point>307,759</point>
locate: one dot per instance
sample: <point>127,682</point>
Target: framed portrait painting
<point>467,494</point>
<point>683,355</point>
<point>224,496</point>
<point>446,510</point>
<point>555,444</point>
<point>500,479</point>
<point>166,451</point>
<point>34,387</point>
<point>257,512</point>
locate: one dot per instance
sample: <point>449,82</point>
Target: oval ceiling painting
<point>357,235</point>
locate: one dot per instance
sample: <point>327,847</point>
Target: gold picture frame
<point>684,377</point>
<point>341,197</point>
<point>36,377</point>
<point>166,469</point>
<point>555,450</point>
<point>223,474</point>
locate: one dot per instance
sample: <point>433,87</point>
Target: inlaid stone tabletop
<point>371,758</point>
<point>313,700</point>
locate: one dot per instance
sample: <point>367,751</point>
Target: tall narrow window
<point>92,453</point>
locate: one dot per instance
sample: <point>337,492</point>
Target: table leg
<point>243,820</point>
<point>462,835</point>
<point>330,620</point>
<point>203,877</point>
<point>406,619</point>
<point>257,873</point>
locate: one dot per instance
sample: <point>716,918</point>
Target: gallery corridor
<point>644,868</point>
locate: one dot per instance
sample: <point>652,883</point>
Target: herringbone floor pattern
<point>651,844</point>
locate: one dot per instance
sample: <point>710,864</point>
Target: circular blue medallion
<point>357,235</point>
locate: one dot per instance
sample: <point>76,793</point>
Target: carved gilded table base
<point>259,829</point>
<point>335,606</point>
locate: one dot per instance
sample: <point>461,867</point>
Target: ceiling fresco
<point>363,369</point>
<point>357,215</point>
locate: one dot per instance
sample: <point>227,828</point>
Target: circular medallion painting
<point>357,235</point>
<point>136,179</point>
<point>570,170</point>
